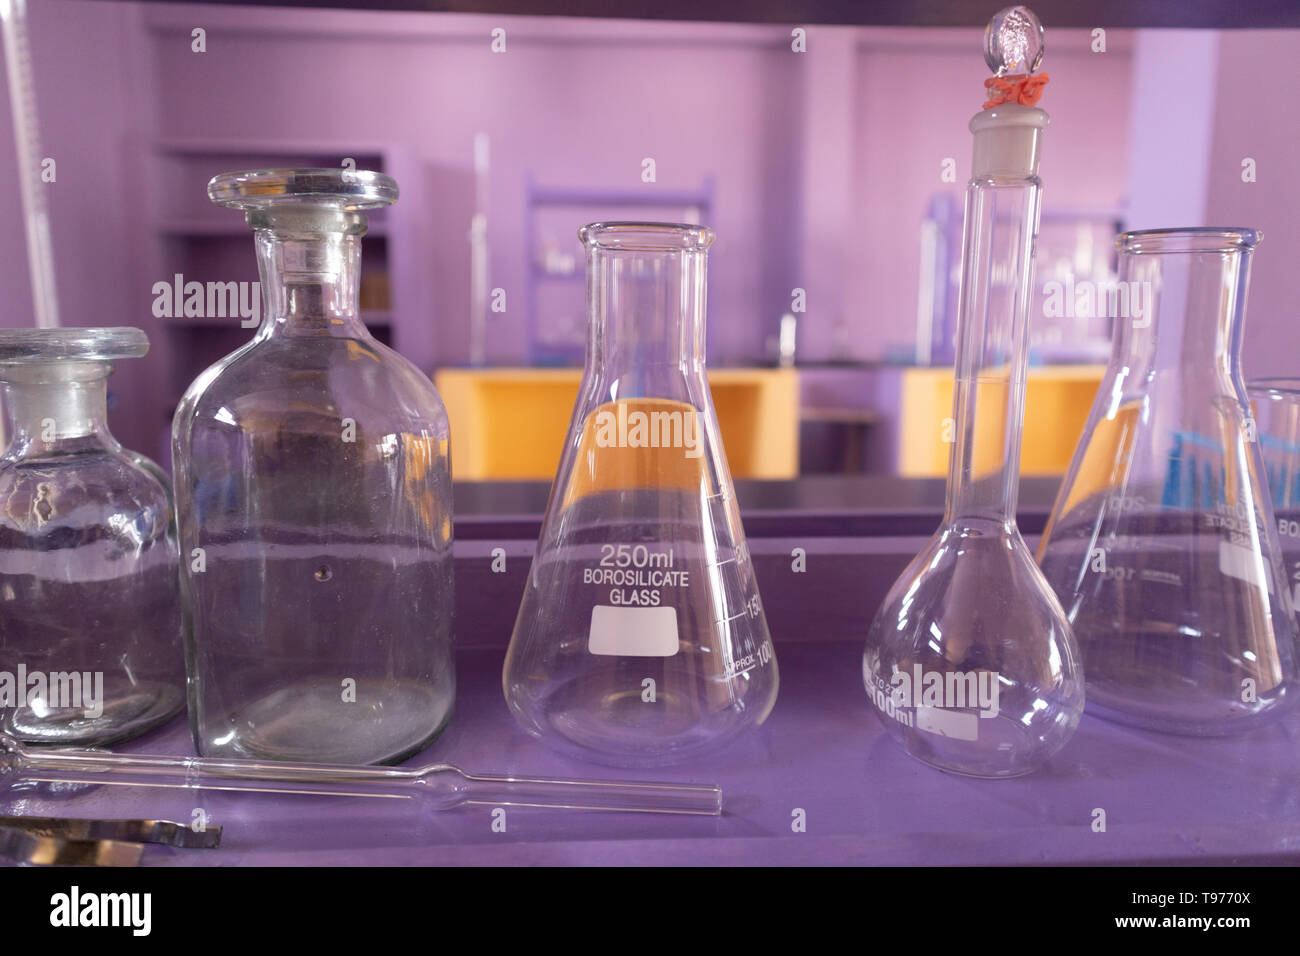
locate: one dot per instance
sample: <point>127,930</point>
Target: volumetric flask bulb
<point>1162,544</point>
<point>314,503</point>
<point>970,663</point>
<point>641,639</point>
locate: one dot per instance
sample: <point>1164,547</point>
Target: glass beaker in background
<point>90,617</point>
<point>1276,406</point>
<point>641,639</point>
<point>314,504</point>
<point>1162,544</point>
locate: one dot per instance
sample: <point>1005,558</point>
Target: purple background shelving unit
<point>824,168</point>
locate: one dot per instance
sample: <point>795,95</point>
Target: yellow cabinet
<point>1057,401</point>
<point>510,423</point>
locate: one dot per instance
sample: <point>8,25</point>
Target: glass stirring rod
<point>438,786</point>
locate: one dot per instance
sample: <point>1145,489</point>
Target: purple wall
<point>86,66</point>
<point>1172,114</point>
<point>1257,115</point>
<point>916,90</point>
<point>823,161</point>
<point>571,103</point>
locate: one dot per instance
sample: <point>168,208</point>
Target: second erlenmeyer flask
<point>1275,404</point>
<point>641,638</point>
<point>1162,545</point>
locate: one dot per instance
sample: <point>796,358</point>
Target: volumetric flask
<point>1275,404</point>
<point>1162,544</point>
<point>969,663</point>
<point>90,613</point>
<point>314,504</point>
<point>641,639</point>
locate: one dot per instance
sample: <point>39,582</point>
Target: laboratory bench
<point>819,783</point>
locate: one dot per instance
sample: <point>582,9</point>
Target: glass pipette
<point>22,103</point>
<point>438,786</point>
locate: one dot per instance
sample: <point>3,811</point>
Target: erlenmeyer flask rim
<point>1196,239</point>
<point>1286,387</point>
<point>646,236</point>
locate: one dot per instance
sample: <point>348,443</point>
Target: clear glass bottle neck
<point>56,409</point>
<point>310,281</point>
<point>647,313</point>
<point>991,351</point>
<point>1182,312</point>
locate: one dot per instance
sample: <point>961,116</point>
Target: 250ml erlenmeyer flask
<point>641,638</point>
<point>314,503</point>
<point>1162,544</point>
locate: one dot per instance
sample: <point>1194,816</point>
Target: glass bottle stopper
<point>311,200</point>
<point>1013,41</point>
<point>348,188</point>
<point>24,346</point>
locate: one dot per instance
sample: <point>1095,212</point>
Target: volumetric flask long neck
<point>992,349</point>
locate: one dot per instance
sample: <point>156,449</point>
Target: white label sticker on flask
<point>633,631</point>
<point>958,724</point>
<point>1242,563</point>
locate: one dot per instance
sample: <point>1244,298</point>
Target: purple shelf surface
<point>1166,799</point>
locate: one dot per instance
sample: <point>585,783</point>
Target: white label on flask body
<point>959,725</point>
<point>1244,564</point>
<point>633,631</point>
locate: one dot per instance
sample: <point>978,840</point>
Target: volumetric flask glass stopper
<point>969,663</point>
<point>641,639</point>
<point>1162,544</point>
